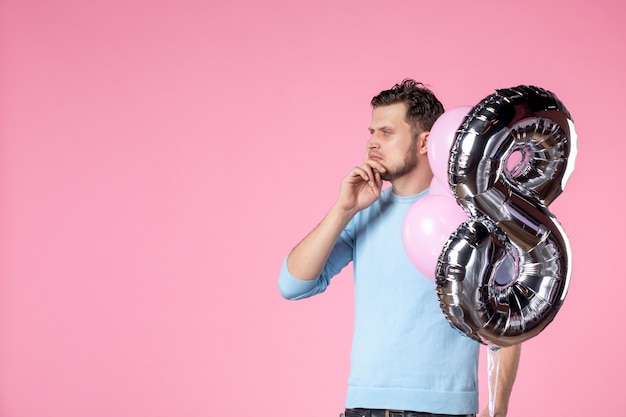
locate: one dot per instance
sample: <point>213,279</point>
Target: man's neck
<point>412,184</point>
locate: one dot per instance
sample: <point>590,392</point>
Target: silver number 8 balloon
<point>504,273</point>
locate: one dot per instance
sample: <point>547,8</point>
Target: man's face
<point>391,142</point>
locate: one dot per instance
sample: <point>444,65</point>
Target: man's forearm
<point>307,259</point>
<point>509,362</point>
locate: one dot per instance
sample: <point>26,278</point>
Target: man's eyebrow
<point>383,127</point>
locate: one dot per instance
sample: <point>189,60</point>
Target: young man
<point>405,355</point>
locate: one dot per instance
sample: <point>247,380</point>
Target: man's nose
<point>372,143</point>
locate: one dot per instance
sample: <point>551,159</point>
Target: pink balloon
<point>427,227</point>
<point>436,187</point>
<point>441,138</point>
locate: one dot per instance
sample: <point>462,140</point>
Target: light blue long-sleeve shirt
<point>405,355</point>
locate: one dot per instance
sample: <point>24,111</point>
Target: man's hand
<point>361,187</point>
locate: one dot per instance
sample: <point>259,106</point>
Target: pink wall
<point>159,158</point>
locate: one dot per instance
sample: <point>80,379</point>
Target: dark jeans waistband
<point>367,412</point>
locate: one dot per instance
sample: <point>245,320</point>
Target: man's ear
<point>422,141</point>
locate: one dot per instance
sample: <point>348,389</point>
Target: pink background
<point>159,158</point>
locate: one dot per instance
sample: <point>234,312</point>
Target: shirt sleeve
<point>293,288</point>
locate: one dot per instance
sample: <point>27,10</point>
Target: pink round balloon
<point>441,138</point>
<point>427,227</point>
<point>436,187</point>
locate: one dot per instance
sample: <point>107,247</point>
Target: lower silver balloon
<point>503,275</point>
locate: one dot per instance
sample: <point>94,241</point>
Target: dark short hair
<point>423,107</point>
